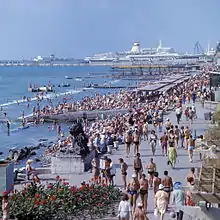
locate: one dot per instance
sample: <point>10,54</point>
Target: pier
<point>111,87</point>
<point>143,70</point>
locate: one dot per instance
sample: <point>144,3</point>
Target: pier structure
<point>141,70</point>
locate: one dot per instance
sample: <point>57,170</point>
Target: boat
<point>68,77</point>
<point>139,55</point>
<point>41,89</point>
<point>65,84</point>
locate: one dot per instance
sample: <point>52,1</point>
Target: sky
<point>77,28</point>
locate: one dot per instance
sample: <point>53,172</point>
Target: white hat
<point>161,186</point>
<point>139,204</point>
<point>29,161</point>
<point>134,175</point>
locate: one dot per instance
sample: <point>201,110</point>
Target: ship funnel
<point>135,48</point>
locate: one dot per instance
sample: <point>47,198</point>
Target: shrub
<point>61,201</point>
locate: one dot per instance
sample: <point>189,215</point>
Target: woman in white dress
<point>124,208</point>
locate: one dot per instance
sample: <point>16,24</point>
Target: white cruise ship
<point>135,54</point>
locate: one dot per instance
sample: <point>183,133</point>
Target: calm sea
<point>14,82</point>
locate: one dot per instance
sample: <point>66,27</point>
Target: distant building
<point>217,55</point>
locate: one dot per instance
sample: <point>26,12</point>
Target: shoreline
<point>163,86</point>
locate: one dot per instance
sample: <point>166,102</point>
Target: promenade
<point>178,174</point>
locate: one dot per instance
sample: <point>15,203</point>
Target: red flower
<point>60,180</point>
<point>50,186</point>
<point>80,199</point>
<point>94,196</point>
<point>65,183</point>
<point>5,193</point>
<point>82,187</point>
<point>44,202</point>
<point>99,205</point>
<point>37,202</point>
<point>57,177</point>
<point>37,196</point>
<point>12,191</point>
<point>37,181</point>
<point>12,197</point>
<point>72,188</point>
<point>53,198</point>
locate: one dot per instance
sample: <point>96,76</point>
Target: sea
<point>14,83</point>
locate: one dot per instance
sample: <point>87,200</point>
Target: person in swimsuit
<point>167,124</point>
<point>191,147</point>
<point>140,213</point>
<point>138,166</point>
<point>153,141</point>
<point>144,191</point>
<point>151,170</point>
<point>30,170</point>
<point>136,140</point>
<point>96,168</point>
<point>163,141</point>
<point>133,188</point>
<point>187,136</point>
<point>124,168</point>
<point>171,138</point>
<point>156,182</point>
<point>192,175</point>
<point>182,136</point>
<point>167,183</point>
<point>177,135</point>
<point>128,141</point>
<point>145,130</point>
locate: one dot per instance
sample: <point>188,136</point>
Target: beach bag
<point>156,212</point>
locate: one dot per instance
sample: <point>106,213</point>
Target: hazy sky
<point>76,28</point>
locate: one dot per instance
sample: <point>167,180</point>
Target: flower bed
<point>62,201</point>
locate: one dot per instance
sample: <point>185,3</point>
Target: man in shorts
<point>151,170</point>
<point>168,184</point>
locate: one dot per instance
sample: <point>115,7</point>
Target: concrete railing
<point>69,164</point>
<point>211,105</point>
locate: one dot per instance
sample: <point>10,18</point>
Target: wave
<point>115,81</point>
<point>47,96</point>
<point>87,88</point>
<point>78,79</point>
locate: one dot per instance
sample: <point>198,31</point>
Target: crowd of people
<point>146,122</point>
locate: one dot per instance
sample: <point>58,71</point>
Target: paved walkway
<point>178,174</point>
